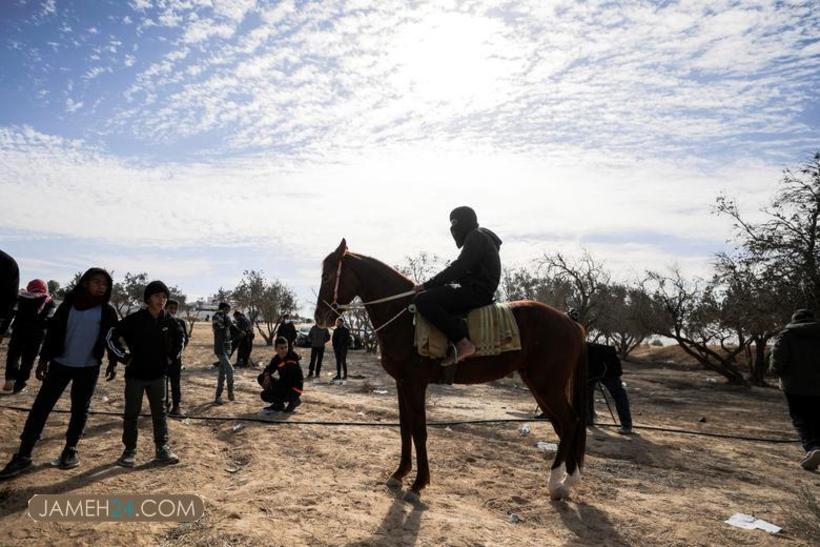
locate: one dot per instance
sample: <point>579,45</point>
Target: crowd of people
<point>71,340</point>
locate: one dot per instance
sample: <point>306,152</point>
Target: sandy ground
<point>267,484</point>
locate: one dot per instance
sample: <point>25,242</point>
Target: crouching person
<point>72,354</point>
<point>148,342</point>
<point>284,393</point>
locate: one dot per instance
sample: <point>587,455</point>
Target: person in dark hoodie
<point>795,358</point>
<point>148,342</point>
<point>287,330</point>
<point>318,337</point>
<point>9,284</point>
<point>287,390</point>
<point>34,308</point>
<point>245,337</point>
<point>175,368</point>
<point>223,328</point>
<point>476,271</point>
<point>72,353</point>
<point>341,343</point>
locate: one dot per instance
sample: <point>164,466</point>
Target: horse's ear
<point>342,248</point>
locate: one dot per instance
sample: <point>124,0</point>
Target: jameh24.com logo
<point>116,508</point>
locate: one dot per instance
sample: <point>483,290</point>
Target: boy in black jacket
<point>34,308</point>
<point>72,353</point>
<point>175,369</point>
<point>154,341</point>
<point>9,283</point>
<point>288,388</point>
<point>341,341</point>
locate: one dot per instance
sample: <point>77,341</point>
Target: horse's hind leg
<point>553,402</point>
<point>405,419</point>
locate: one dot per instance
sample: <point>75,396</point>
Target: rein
<point>335,306</point>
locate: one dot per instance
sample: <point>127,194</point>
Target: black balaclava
<point>463,220</point>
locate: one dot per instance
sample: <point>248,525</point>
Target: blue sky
<point>194,139</point>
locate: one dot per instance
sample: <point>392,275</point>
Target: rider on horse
<point>476,273</point>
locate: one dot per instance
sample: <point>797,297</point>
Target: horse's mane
<point>376,264</point>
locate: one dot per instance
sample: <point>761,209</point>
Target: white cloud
<point>72,106</point>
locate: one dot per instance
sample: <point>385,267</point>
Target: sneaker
<point>17,465</point>
<point>336,378</point>
<point>625,431</point>
<point>292,405</point>
<point>68,459</point>
<point>231,396</point>
<point>9,385</point>
<point>176,412</point>
<point>811,460</point>
<point>18,388</point>
<point>165,455</point>
<point>128,458</point>
<point>310,375</point>
<point>219,401</point>
<point>344,377</point>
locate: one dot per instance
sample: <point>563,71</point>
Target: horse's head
<point>339,286</point>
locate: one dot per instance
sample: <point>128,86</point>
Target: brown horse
<point>552,362</point>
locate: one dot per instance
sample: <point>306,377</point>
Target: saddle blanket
<point>491,328</point>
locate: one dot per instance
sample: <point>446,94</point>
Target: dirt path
<point>309,485</point>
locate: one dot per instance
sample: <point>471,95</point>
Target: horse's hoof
<point>560,493</point>
<point>393,483</point>
<point>411,497</point>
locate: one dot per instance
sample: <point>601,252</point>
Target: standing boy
<point>72,353</point>
<point>318,337</point>
<point>288,388</point>
<point>175,369</point>
<point>9,283</point>
<point>147,341</point>
<point>341,341</point>
<point>287,330</point>
<point>34,308</point>
<point>221,324</point>
<point>245,328</point>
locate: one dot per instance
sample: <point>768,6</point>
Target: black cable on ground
<point>260,420</point>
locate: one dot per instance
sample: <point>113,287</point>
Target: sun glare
<point>452,58</point>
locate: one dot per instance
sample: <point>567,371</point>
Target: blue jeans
<point>225,373</point>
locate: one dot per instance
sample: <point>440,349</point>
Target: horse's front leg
<point>406,463</point>
<point>416,396</point>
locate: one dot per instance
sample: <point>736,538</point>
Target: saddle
<point>491,328</point>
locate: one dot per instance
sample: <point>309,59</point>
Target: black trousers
<point>21,355</point>
<point>316,356</point>
<point>805,413</point>
<point>243,353</point>
<point>615,388</point>
<point>277,393</point>
<point>442,305</point>
<point>83,382</point>
<point>341,361</point>
<point>175,375</point>
<point>134,390</point>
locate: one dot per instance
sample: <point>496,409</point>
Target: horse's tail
<point>579,405</point>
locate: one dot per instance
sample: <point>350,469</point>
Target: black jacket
<point>290,372</point>
<point>603,362</point>
<point>341,338</point>
<point>318,336</point>
<point>287,331</point>
<point>9,285</point>
<point>795,358</point>
<point>477,268</point>
<point>153,344</point>
<point>31,318</point>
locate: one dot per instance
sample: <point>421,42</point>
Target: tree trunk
<point>723,367</point>
<point>760,366</point>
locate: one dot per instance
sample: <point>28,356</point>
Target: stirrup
<point>450,359</point>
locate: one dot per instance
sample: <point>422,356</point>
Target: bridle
<point>335,306</point>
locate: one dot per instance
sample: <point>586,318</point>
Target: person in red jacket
<point>34,308</point>
<point>287,389</point>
